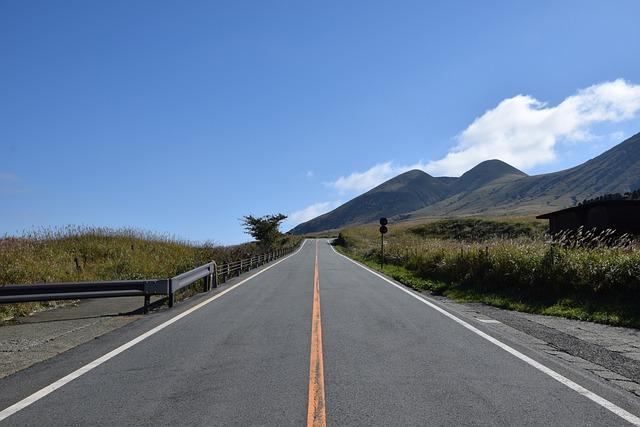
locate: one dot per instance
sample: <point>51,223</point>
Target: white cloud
<point>309,174</point>
<point>311,212</point>
<point>616,136</point>
<point>361,181</point>
<point>521,131</point>
<point>524,132</point>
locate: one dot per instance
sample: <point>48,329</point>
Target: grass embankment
<point>78,254</point>
<point>509,264</point>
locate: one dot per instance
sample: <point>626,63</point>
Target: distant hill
<point>614,171</point>
<point>493,187</point>
<point>404,193</point>
<point>489,171</point>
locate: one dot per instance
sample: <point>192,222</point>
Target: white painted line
<point>99,361</point>
<point>537,365</point>
<point>492,321</point>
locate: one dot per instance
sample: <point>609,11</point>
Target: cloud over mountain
<point>524,131</point>
<point>521,131</point>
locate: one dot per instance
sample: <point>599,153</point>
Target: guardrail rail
<point>212,273</point>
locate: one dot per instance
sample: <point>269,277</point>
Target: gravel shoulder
<point>27,340</point>
<point>607,352</point>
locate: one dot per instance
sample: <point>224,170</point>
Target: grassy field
<point>84,254</point>
<point>509,263</point>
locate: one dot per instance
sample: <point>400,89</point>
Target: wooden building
<point>620,215</point>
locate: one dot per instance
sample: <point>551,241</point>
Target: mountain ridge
<point>492,187</point>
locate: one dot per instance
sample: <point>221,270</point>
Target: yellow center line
<point>316,416</point>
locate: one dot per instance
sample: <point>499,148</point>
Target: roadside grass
<point>75,254</point>
<point>479,229</point>
<point>528,274</point>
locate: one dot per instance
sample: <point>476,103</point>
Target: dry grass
<point>84,254</point>
<point>590,276</point>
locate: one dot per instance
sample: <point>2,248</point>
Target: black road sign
<point>383,221</point>
<point>383,229</point>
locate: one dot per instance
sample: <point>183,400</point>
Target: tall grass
<point>587,275</point>
<point>90,253</point>
<point>479,229</point>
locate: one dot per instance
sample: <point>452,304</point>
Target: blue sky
<point>180,117</point>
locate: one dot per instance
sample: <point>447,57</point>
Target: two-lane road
<point>312,339</point>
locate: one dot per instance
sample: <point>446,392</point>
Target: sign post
<point>383,230</point>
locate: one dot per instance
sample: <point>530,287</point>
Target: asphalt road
<point>250,355</point>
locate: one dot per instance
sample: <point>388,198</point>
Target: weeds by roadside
<point>75,254</point>
<point>586,276</point>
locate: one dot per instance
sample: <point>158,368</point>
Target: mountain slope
<point>614,171</point>
<point>491,187</point>
<point>485,173</point>
<point>404,193</point>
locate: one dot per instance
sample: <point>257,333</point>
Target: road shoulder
<point>604,353</point>
<point>29,340</point>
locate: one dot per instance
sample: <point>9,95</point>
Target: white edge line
<point>99,361</point>
<point>537,365</point>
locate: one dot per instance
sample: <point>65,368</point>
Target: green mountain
<point>491,188</point>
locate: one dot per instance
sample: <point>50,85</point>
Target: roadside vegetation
<point>478,229</point>
<point>265,229</point>
<point>511,264</point>
<point>74,254</point>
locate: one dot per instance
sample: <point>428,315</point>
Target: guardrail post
<point>172,298</point>
<point>215,275</point>
<point>207,283</point>
<point>147,301</point>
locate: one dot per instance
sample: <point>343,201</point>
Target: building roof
<point>618,202</point>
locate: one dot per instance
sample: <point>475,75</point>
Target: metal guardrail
<point>210,272</point>
<point>235,268</point>
<point>206,272</point>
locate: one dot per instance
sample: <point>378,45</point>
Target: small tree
<point>266,229</point>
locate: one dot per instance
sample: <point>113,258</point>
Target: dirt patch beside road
<point>32,339</point>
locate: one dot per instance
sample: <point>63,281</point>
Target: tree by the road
<point>265,229</point>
